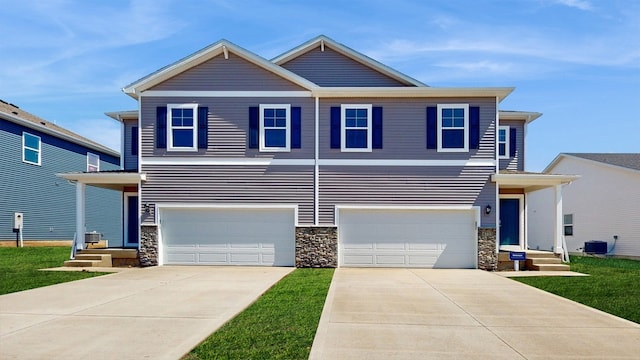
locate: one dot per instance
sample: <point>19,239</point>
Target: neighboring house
<point>33,151</point>
<point>603,205</point>
<point>319,157</point>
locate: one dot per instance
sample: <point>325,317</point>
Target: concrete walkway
<point>461,314</point>
<point>152,313</point>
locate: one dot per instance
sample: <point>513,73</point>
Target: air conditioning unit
<point>92,237</point>
<point>595,247</point>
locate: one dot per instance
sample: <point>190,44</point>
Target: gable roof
<point>222,47</point>
<point>630,161</point>
<point>322,41</point>
<point>13,113</point>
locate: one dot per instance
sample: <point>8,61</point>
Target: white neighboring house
<point>603,204</point>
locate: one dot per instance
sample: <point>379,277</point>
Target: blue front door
<point>509,221</point>
<point>132,221</point>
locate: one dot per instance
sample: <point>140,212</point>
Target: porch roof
<point>530,181</point>
<point>115,180</point>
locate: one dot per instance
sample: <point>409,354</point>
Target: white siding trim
<point>322,162</point>
<point>179,93</point>
<point>316,167</point>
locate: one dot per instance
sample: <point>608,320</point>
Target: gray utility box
<point>595,247</point>
<point>91,237</point>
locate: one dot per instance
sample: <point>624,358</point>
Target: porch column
<point>559,224</point>
<point>80,215</point>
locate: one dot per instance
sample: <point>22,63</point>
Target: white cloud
<point>578,4</point>
<point>103,131</point>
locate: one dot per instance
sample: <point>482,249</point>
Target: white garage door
<point>407,238</point>
<point>229,236</point>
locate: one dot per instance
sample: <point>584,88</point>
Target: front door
<point>509,221</point>
<point>131,226</point>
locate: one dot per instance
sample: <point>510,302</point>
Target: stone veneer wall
<point>148,253</point>
<point>487,256</point>
<point>317,246</point>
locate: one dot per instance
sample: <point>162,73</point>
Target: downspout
<point>316,168</point>
<point>497,171</point>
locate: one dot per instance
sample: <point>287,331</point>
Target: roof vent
<point>14,112</point>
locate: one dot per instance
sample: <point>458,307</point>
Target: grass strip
<point>281,324</point>
<point>613,287</point>
<point>19,268</point>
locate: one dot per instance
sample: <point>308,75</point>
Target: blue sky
<point>575,61</point>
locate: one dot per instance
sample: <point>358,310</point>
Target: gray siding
<point>330,68</point>
<point>130,160</point>
<point>228,127</point>
<point>517,162</point>
<point>231,185</point>
<point>402,186</point>
<point>220,74</point>
<point>405,130</point>
<point>48,202</point>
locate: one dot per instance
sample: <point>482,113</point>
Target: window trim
<point>507,135</point>
<point>465,107</point>
<point>262,130</point>
<point>194,128</point>
<point>565,225</point>
<point>97,166</point>
<point>343,127</point>
<point>38,150</point>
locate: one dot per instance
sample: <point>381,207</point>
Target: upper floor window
<point>275,127</point>
<point>453,127</point>
<point>182,127</point>
<point>93,162</point>
<point>503,142</point>
<point>356,128</point>
<point>31,149</point>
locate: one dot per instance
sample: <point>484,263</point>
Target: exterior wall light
<point>487,209</point>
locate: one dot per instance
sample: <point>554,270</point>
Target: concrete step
<point>82,263</point>
<point>545,261</point>
<point>115,253</point>
<point>104,259</point>
<point>549,267</point>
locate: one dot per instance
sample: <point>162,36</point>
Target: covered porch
<point>513,189</point>
<point>128,183</point>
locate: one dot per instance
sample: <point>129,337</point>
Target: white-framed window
<point>356,128</point>
<point>182,127</point>
<point>453,127</point>
<point>503,142</point>
<point>568,224</point>
<point>31,149</point>
<point>93,162</point>
<point>275,127</point>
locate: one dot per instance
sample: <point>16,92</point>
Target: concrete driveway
<point>153,313</point>
<point>461,314</point>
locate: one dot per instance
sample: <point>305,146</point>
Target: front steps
<point>536,261</point>
<point>105,258</point>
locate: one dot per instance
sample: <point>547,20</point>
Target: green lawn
<point>613,287</point>
<point>281,324</point>
<point>19,268</point>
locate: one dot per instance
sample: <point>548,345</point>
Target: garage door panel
<point>233,236</point>
<point>407,238</point>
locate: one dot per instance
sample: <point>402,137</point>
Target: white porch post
<point>80,215</point>
<point>558,233</point>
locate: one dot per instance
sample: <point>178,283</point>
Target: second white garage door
<point>407,238</point>
<point>228,236</point>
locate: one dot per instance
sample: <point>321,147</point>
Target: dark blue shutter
<point>474,127</point>
<point>335,127</point>
<point>254,127</point>
<point>432,127</point>
<point>161,127</point>
<point>203,121</point>
<point>134,140</point>
<point>376,135</point>
<point>296,127</point>
<point>512,141</point>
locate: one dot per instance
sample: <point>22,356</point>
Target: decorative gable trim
<point>324,42</point>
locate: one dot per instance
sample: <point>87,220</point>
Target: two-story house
<point>321,156</point>
<point>33,150</point>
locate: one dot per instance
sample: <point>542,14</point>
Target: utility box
<point>17,220</point>
<point>595,247</point>
<point>92,237</point>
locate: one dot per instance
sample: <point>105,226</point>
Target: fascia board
<point>344,92</point>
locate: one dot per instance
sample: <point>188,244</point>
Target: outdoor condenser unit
<point>595,247</point>
<point>92,237</point>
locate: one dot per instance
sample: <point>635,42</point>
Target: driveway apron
<point>461,314</point>
<point>152,313</point>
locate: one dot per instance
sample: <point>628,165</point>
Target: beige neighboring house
<point>602,205</point>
